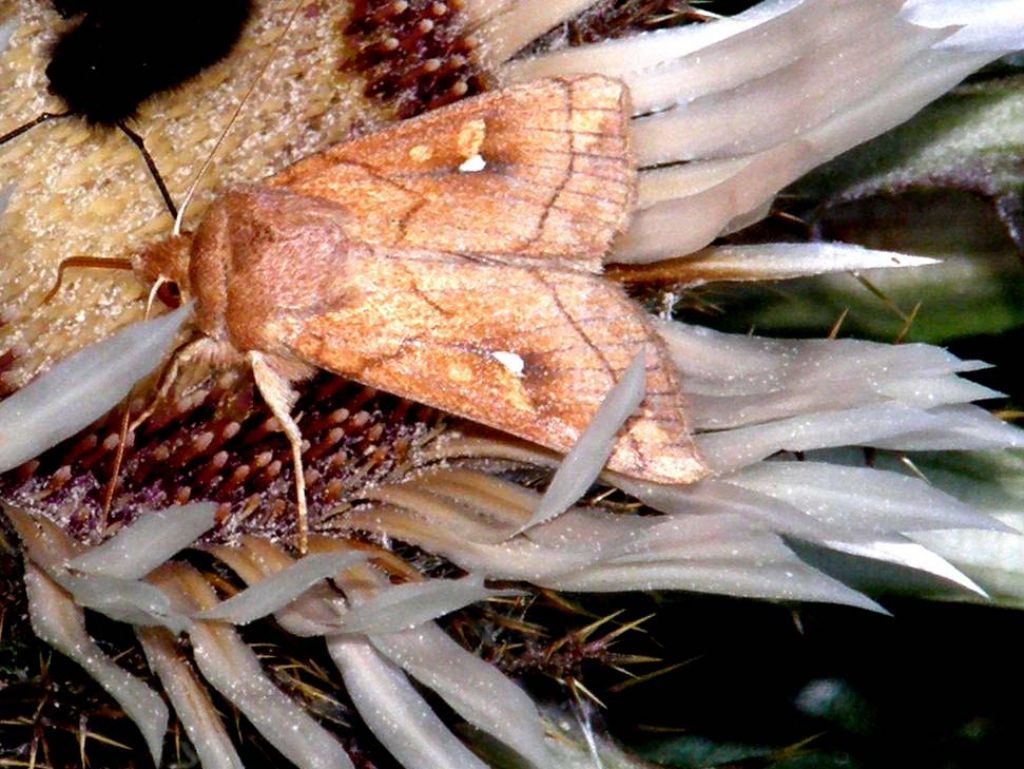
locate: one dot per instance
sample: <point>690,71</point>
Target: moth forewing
<point>535,172</point>
<point>528,351</point>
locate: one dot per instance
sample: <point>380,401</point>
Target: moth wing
<point>527,351</point>
<point>541,170</point>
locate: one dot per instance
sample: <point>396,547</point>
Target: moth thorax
<point>168,259</point>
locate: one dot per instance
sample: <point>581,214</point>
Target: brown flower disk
<point>414,54</point>
<point>219,442</point>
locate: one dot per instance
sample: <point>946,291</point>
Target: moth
<point>453,259</point>
<point>118,53</point>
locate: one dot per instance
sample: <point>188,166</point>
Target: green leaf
<point>970,140</point>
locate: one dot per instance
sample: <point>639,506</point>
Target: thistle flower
<point>819,77</point>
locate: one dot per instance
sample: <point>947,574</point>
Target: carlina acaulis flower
<point>415,515</point>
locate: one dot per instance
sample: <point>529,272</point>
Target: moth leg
<point>201,349</point>
<point>277,391</point>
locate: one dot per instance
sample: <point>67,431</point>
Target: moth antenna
<point>153,170</point>
<point>81,261</point>
<point>190,193</point>
<point>46,116</point>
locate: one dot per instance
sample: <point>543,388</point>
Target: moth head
<point>167,259</point>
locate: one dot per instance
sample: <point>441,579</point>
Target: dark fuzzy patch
<point>118,53</point>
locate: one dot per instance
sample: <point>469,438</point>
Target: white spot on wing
<point>472,164</point>
<point>509,360</point>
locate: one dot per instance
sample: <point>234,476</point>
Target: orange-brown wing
<point>531,352</point>
<point>537,171</point>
